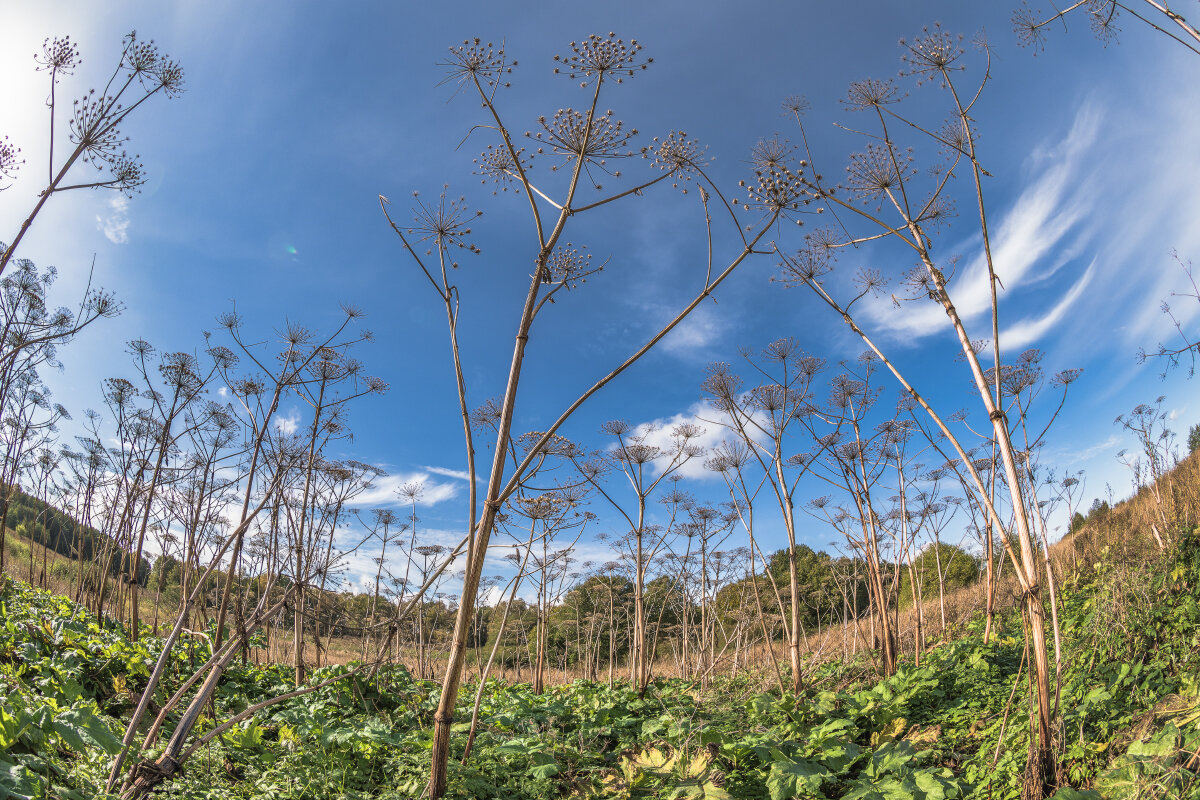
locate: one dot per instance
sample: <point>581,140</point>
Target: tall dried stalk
<point>584,141</point>
<point>882,176</point>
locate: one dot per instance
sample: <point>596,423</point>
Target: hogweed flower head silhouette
<point>598,57</point>
<point>100,140</point>
<point>724,386</point>
<point>169,75</point>
<point>497,164</point>
<point>937,211</point>
<point>806,265</point>
<point>795,105</point>
<point>569,266</point>
<point>776,190</point>
<point>955,137</point>
<point>870,93</point>
<point>771,154</point>
<point>826,238</point>
<point>444,223</point>
<point>154,70</point>
<point>877,171</point>
<point>475,61</point>
<point>10,160</point>
<point>931,54</point>
<point>127,174</point>
<point>1102,18</point>
<point>677,155</point>
<point>575,135</point>
<point>60,56</point>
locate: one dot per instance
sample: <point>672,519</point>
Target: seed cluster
<point>599,56</point>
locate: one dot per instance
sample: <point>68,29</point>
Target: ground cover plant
<point>955,726</point>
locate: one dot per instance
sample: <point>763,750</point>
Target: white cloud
<point>1029,330</point>
<point>1073,458</point>
<point>289,424</point>
<point>383,491</point>
<point>1041,217</point>
<point>115,224</point>
<point>657,433</point>
<point>700,330</point>
<point>462,475</point>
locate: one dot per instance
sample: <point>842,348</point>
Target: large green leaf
<point>795,778</point>
<point>82,730</point>
<point>891,757</point>
<point>18,782</point>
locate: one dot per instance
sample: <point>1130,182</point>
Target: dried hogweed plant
<point>564,170</point>
<point>1103,17</point>
<point>886,198</point>
<point>94,126</point>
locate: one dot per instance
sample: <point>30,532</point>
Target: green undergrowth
<point>956,726</point>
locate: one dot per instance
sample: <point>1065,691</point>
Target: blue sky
<point>264,177</point>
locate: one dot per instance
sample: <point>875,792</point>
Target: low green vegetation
<point>956,726</point>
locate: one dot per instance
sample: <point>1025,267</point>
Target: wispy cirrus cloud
<point>1031,329</point>
<point>384,490</point>
<point>460,474</point>
<point>1026,233</point>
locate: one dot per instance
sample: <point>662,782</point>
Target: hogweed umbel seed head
<point>445,223</point>
<point>775,191</point>
<point>877,171</point>
<point>1102,17</point>
<point>59,56</point>
<point>677,154</point>
<point>568,266</point>
<point>127,174</point>
<point>933,53</point>
<point>795,105</point>
<point>600,57</point>
<point>169,77</point>
<point>808,264</point>
<point>497,164</point>
<point>572,135</point>
<point>10,161</point>
<point>773,153</point>
<point>475,61</point>
<point>936,212</point>
<point>870,93</point>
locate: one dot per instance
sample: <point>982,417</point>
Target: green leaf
<point>795,779</point>
<point>1070,793</point>
<point>17,782</point>
<point>891,757</point>
<point>838,756</point>
<point>938,787</point>
<point>82,730</point>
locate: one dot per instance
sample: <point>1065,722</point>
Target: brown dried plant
<point>580,145</point>
<point>884,200</point>
<point>94,127</point>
